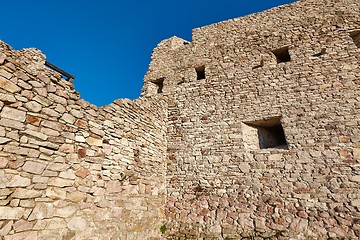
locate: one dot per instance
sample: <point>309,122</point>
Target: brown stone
<point>81,123</point>
<point>82,152</point>
<point>33,120</point>
<point>82,172</point>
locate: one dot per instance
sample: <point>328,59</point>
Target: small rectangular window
<point>200,73</point>
<point>263,134</point>
<point>159,84</point>
<point>282,54</point>
<point>356,37</point>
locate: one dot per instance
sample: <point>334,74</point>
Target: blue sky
<point>107,44</point>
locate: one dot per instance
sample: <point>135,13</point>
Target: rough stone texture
<point>249,131</point>
<point>70,170</point>
<point>295,66</point>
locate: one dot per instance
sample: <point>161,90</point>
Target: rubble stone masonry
<point>249,131</point>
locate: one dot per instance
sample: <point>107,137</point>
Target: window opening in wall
<point>260,65</point>
<point>181,81</point>
<point>356,37</point>
<point>263,134</point>
<point>159,84</point>
<point>322,52</point>
<point>200,72</point>
<point>282,54</point>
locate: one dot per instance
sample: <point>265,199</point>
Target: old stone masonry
<point>250,131</point>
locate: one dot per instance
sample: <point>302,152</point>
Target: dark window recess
<point>356,37</point>
<point>181,81</point>
<point>268,133</point>
<point>159,84</point>
<point>260,65</point>
<point>322,52</point>
<point>200,73</point>
<point>282,54</point>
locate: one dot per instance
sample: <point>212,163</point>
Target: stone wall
<point>250,130</point>
<point>70,170</point>
<point>263,131</point>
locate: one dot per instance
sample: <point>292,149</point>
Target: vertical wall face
<point>221,183</point>
<point>69,170</point>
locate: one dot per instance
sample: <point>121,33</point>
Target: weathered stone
<point>8,98</point>
<point>67,148</point>
<point>244,167</point>
<point>33,120</point>
<point>33,106</point>
<point>3,162</point>
<point>6,229</point>
<point>50,132</point>
<point>59,182</point>
<point>34,167</point>
<point>356,153</point>
<point>275,157</point>
<point>69,174</point>
<point>2,132</point>
<point>80,139</point>
<point>4,140</point>
<point>58,99</point>
<point>36,134</point>
<point>77,223</point>
<point>42,211</point>
<point>81,153</point>
<point>114,186</point>
<point>12,113</point>
<point>94,141</point>
<point>11,123</point>
<point>77,197</point>
<point>8,86</point>
<point>11,213</point>
<point>22,225</point>
<point>5,74</point>
<point>355,203</point>
<point>82,172</point>
<point>68,118</point>
<point>355,178</point>
<point>24,193</point>
<point>57,167</point>
<point>252,128</point>
<point>23,235</point>
<point>18,181</point>
<point>65,212</point>
<point>55,193</point>
<point>2,58</point>
<point>56,223</point>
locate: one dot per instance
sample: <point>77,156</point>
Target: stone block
<point>14,114</point>
<point>33,106</point>
<point>11,213</point>
<point>8,86</point>
<point>77,224</point>
<point>25,193</point>
<point>18,181</point>
<point>34,167</point>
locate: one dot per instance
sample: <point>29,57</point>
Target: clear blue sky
<point>107,44</point>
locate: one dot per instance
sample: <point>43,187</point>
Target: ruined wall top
<point>255,37</point>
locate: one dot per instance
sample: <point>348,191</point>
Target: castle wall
<point>229,172</point>
<point>70,170</point>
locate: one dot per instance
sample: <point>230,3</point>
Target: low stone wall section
<point>70,170</point>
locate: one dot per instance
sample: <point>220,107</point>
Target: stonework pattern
<point>249,131</point>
